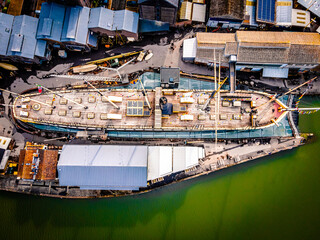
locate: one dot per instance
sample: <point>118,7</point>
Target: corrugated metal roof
<point>23,35</point>
<point>51,21</point>
<point>101,18</point>
<point>186,10</point>
<point>275,72</point>
<point>6,22</point>
<point>283,12</point>
<point>266,10</point>
<point>313,6</point>
<point>103,166</point>
<point>75,26</point>
<point>199,12</point>
<point>41,49</point>
<point>106,19</point>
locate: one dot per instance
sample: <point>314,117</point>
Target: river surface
<point>277,197</point>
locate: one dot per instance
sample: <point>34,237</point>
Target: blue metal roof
<point>266,10</point>
<point>51,21</point>
<point>101,18</point>
<point>103,167</point>
<point>6,22</point>
<point>148,26</point>
<point>125,20</point>
<point>41,49</point>
<point>122,20</point>
<point>23,37</point>
<point>75,26</point>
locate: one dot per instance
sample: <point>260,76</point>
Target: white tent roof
<point>163,161</point>
<point>190,48</point>
<point>159,162</point>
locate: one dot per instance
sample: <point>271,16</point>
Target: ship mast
<point>112,103</point>
<point>291,90</point>
<point>1,89</point>
<point>215,102</point>
<point>144,92</point>
<point>85,107</point>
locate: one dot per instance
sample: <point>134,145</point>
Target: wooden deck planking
<point>265,114</point>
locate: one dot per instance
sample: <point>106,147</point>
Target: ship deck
<point>67,113</point>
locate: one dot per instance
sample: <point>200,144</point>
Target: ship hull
<point>235,124</point>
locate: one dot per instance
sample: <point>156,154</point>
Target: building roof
<point>162,10</point>
<point>228,9</point>
<point>198,12</point>
<point>103,167</point>
<point>149,26</point>
<point>258,47</point>
<point>47,164</point>
<point>266,10</point>
<point>164,160</point>
<point>6,22</point>
<point>125,20</point>
<point>108,21</point>
<point>23,37</point>
<point>216,38</point>
<point>51,21</point>
<point>283,12</point>
<point>101,17</point>
<point>312,6</point>
<point>171,2</point>
<point>300,38</point>
<point>190,48</point>
<point>75,26</point>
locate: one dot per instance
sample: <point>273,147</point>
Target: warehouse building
<point>23,45</point>
<point>6,22</point>
<point>271,52</point>
<point>75,33</point>
<point>51,22</point>
<point>106,21</point>
<point>103,167</point>
<point>164,160</point>
<point>160,10</point>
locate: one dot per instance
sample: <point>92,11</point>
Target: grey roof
<point>313,6</point>
<point>103,167</point>
<point>51,21</point>
<point>6,22</point>
<point>23,37</point>
<point>126,21</point>
<point>101,18</point>
<point>41,49</point>
<point>75,26</point>
<point>106,20</point>
<point>172,2</point>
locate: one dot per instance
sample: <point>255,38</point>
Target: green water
<point>272,198</point>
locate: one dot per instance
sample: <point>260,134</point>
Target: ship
<point>152,111</point>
